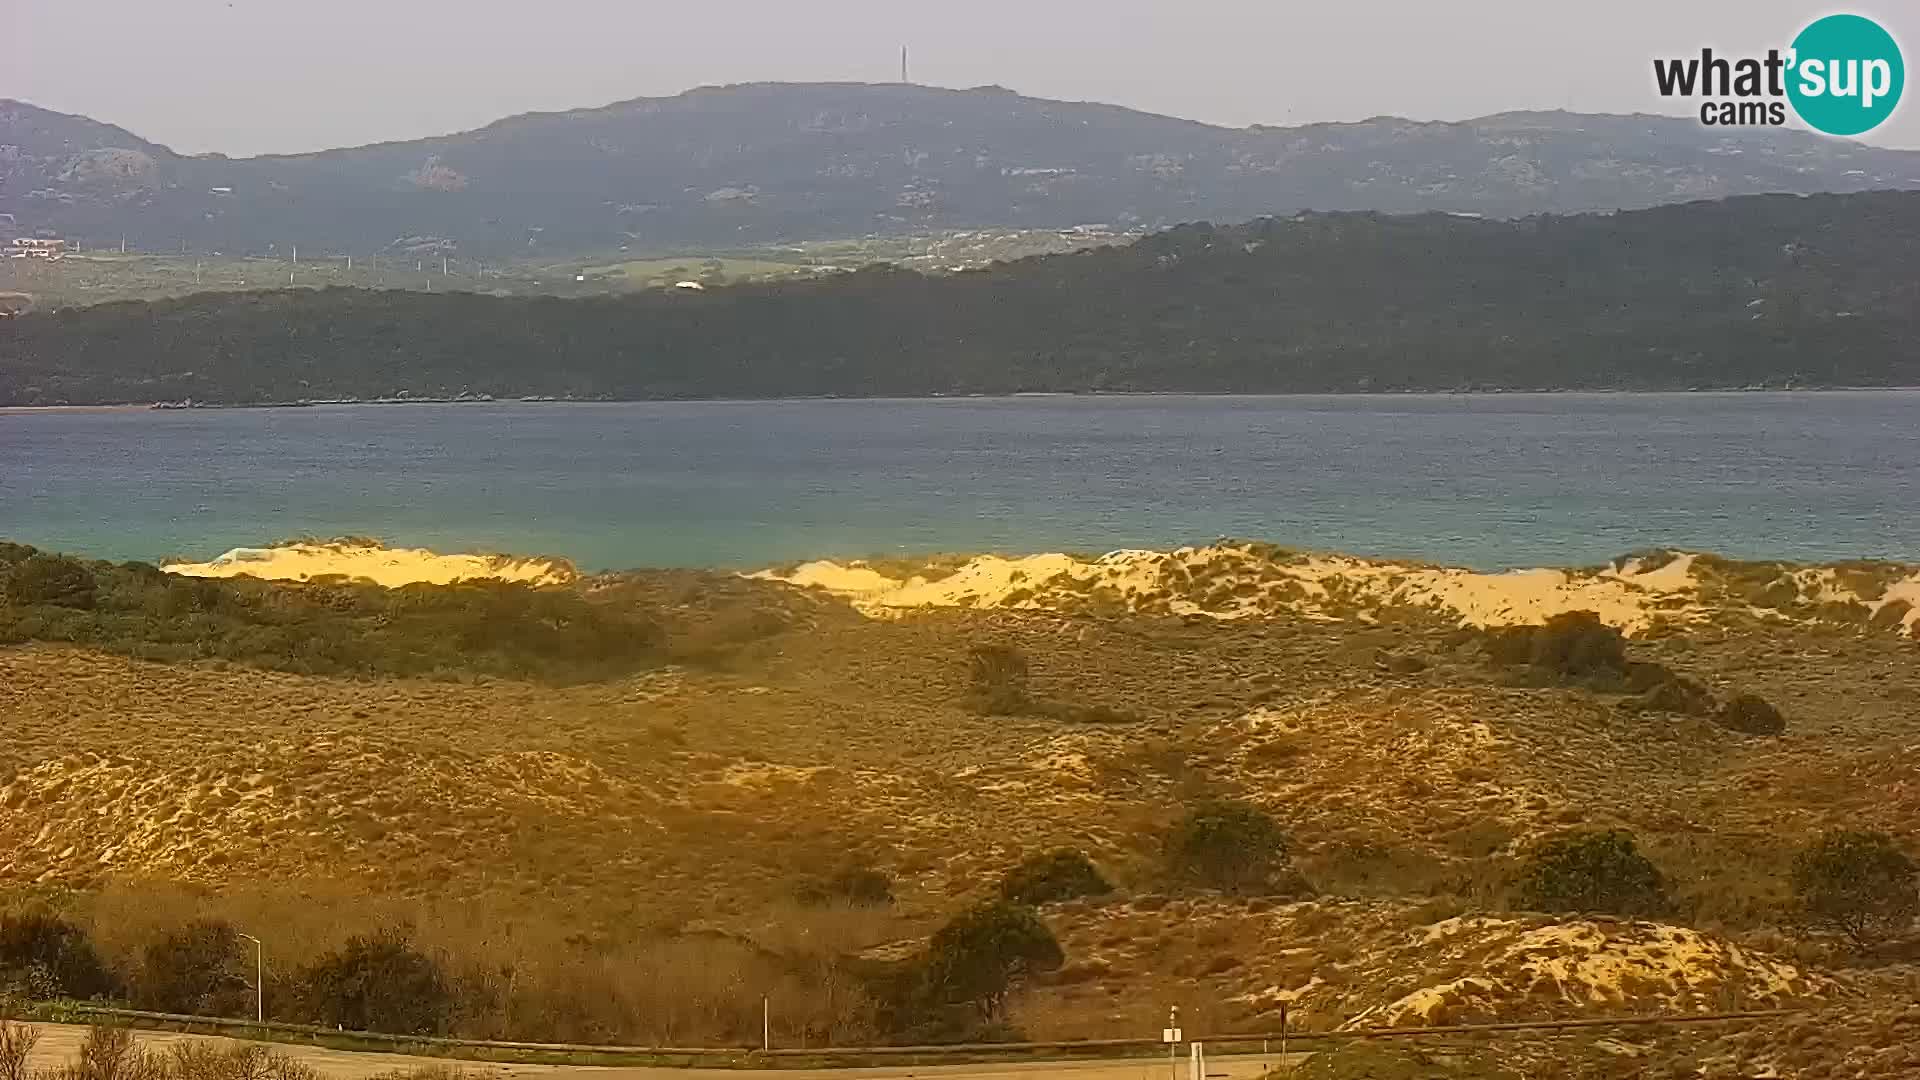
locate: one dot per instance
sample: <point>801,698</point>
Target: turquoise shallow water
<point>1486,481</point>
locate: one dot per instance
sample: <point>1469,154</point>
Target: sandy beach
<point>391,567</point>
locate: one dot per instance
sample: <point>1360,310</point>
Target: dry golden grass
<point>581,834</point>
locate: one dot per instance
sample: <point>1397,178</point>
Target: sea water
<point>1487,481</point>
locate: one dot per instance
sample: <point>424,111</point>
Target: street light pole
<point>259,978</point>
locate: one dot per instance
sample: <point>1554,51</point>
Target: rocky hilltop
<point>766,162</point>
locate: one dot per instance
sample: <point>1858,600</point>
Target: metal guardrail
<point>1064,1046</point>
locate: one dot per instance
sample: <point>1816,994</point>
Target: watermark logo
<point>1849,75</point>
<point>1842,75</point>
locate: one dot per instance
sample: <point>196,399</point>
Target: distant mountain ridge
<point>766,162</point>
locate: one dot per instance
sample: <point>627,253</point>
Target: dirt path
<point>59,1043</point>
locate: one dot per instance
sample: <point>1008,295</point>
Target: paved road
<point>59,1043</point>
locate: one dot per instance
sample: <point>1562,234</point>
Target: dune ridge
<point>1225,580</point>
<point>367,560</point>
<point>1232,580</point>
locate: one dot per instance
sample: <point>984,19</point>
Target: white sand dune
<point>1583,963</point>
<point>1231,580</point>
<point>387,566</point>
<point>1228,580</point>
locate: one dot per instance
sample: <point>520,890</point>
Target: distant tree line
<point>1764,290</point>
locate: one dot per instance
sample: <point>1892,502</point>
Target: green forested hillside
<point>1774,290</point>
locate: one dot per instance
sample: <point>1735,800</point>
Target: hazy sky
<point>257,76</point>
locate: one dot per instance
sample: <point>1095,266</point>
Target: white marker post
<point>1171,1036</point>
<point>1197,1064</point>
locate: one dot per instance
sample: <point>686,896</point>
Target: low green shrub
<point>1570,645</point>
<point>378,982</point>
<point>1590,871</point>
<point>985,952</point>
<point>1227,845</point>
<point>859,886</point>
<point>1064,874</point>
<point>997,675</point>
<point>553,633</point>
<point>1751,714</point>
<point>201,968</point>
<point>53,580</point>
<point>1857,883</point>
<point>44,956</point>
<point>1659,689</point>
<point>1577,648</point>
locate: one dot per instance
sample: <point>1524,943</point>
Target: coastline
<point>1050,395</point>
<point>1225,581</point>
<point>24,409</point>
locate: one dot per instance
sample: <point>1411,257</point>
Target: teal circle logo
<point>1846,76</point>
